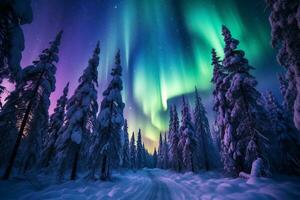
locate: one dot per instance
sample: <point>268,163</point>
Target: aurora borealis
<point>165,47</point>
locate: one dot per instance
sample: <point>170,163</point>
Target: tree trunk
<point>74,166</point>
<point>206,165</point>
<point>104,168</point>
<point>21,131</point>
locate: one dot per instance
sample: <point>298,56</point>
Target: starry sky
<point>165,47</point>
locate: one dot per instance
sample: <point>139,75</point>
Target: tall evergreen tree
<point>132,152</point>
<point>286,144</point>
<point>174,153</point>
<point>171,121</point>
<point>160,155</point>
<point>245,133</point>
<point>110,121</point>
<point>221,85</point>
<point>206,149</point>
<point>285,23</point>
<point>30,113</point>
<point>80,119</point>
<point>126,151</point>
<point>187,142</point>
<point>154,158</point>
<point>56,122</point>
<point>145,156</point>
<point>139,151</point>
<point>165,153</point>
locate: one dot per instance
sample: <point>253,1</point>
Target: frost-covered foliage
<point>206,151</point>
<point>245,132</point>
<point>288,90</point>
<point>160,155</point>
<point>221,85</point>
<point>12,15</point>
<point>31,97</point>
<point>174,153</point>
<point>126,149</point>
<point>139,151</point>
<point>187,140</point>
<point>80,119</point>
<point>132,152</point>
<point>285,23</point>
<point>56,122</point>
<point>107,147</point>
<point>285,142</point>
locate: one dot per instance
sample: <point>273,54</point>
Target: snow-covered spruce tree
<point>171,115</point>
<point>286,144</point>
<point>126,149</point>
<point>154,158</point>
<point>80,119</point>
<point>27,107</point>
<point>206,149</point>
<point>160,155</point>
<point>110,121</point>
<point>187,141</point>
<point>246,129</point>
<point>145,156</point>
<point>56,122</point>
<point>132,152</point>
<point>13,14</point>
<point>139,151</point>
<point>165,153</point>
<point>221,85</point>
<point>174,153</point>
<point>285,23</point>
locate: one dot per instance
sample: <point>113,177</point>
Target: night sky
<point>165,47</point>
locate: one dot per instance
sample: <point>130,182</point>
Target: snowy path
<point>155,184</point>
<point>158,189</point>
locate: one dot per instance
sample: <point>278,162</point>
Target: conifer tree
<point>221,85</point>
<point>171,121</point>
<point>139,151</point>
<point>165,153</point>
<point>126,151</point>
<point>187,142</point>
<point>80,119</point>
<point>206,149</point>
<point>145,156</point>
<point>29,114</point>
<point>246,132</point>
<point>132,152</point>
<point>160,155</point>
<point>286,145</point>
<point>174,153</point>
<point>154,158</point>
<point>110,121</point>
<point>56,122</point>
<point>285,23</point>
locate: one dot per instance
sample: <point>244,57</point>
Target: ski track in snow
<point>153,184</point>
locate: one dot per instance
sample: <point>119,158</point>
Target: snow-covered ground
<point>154,184</point>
